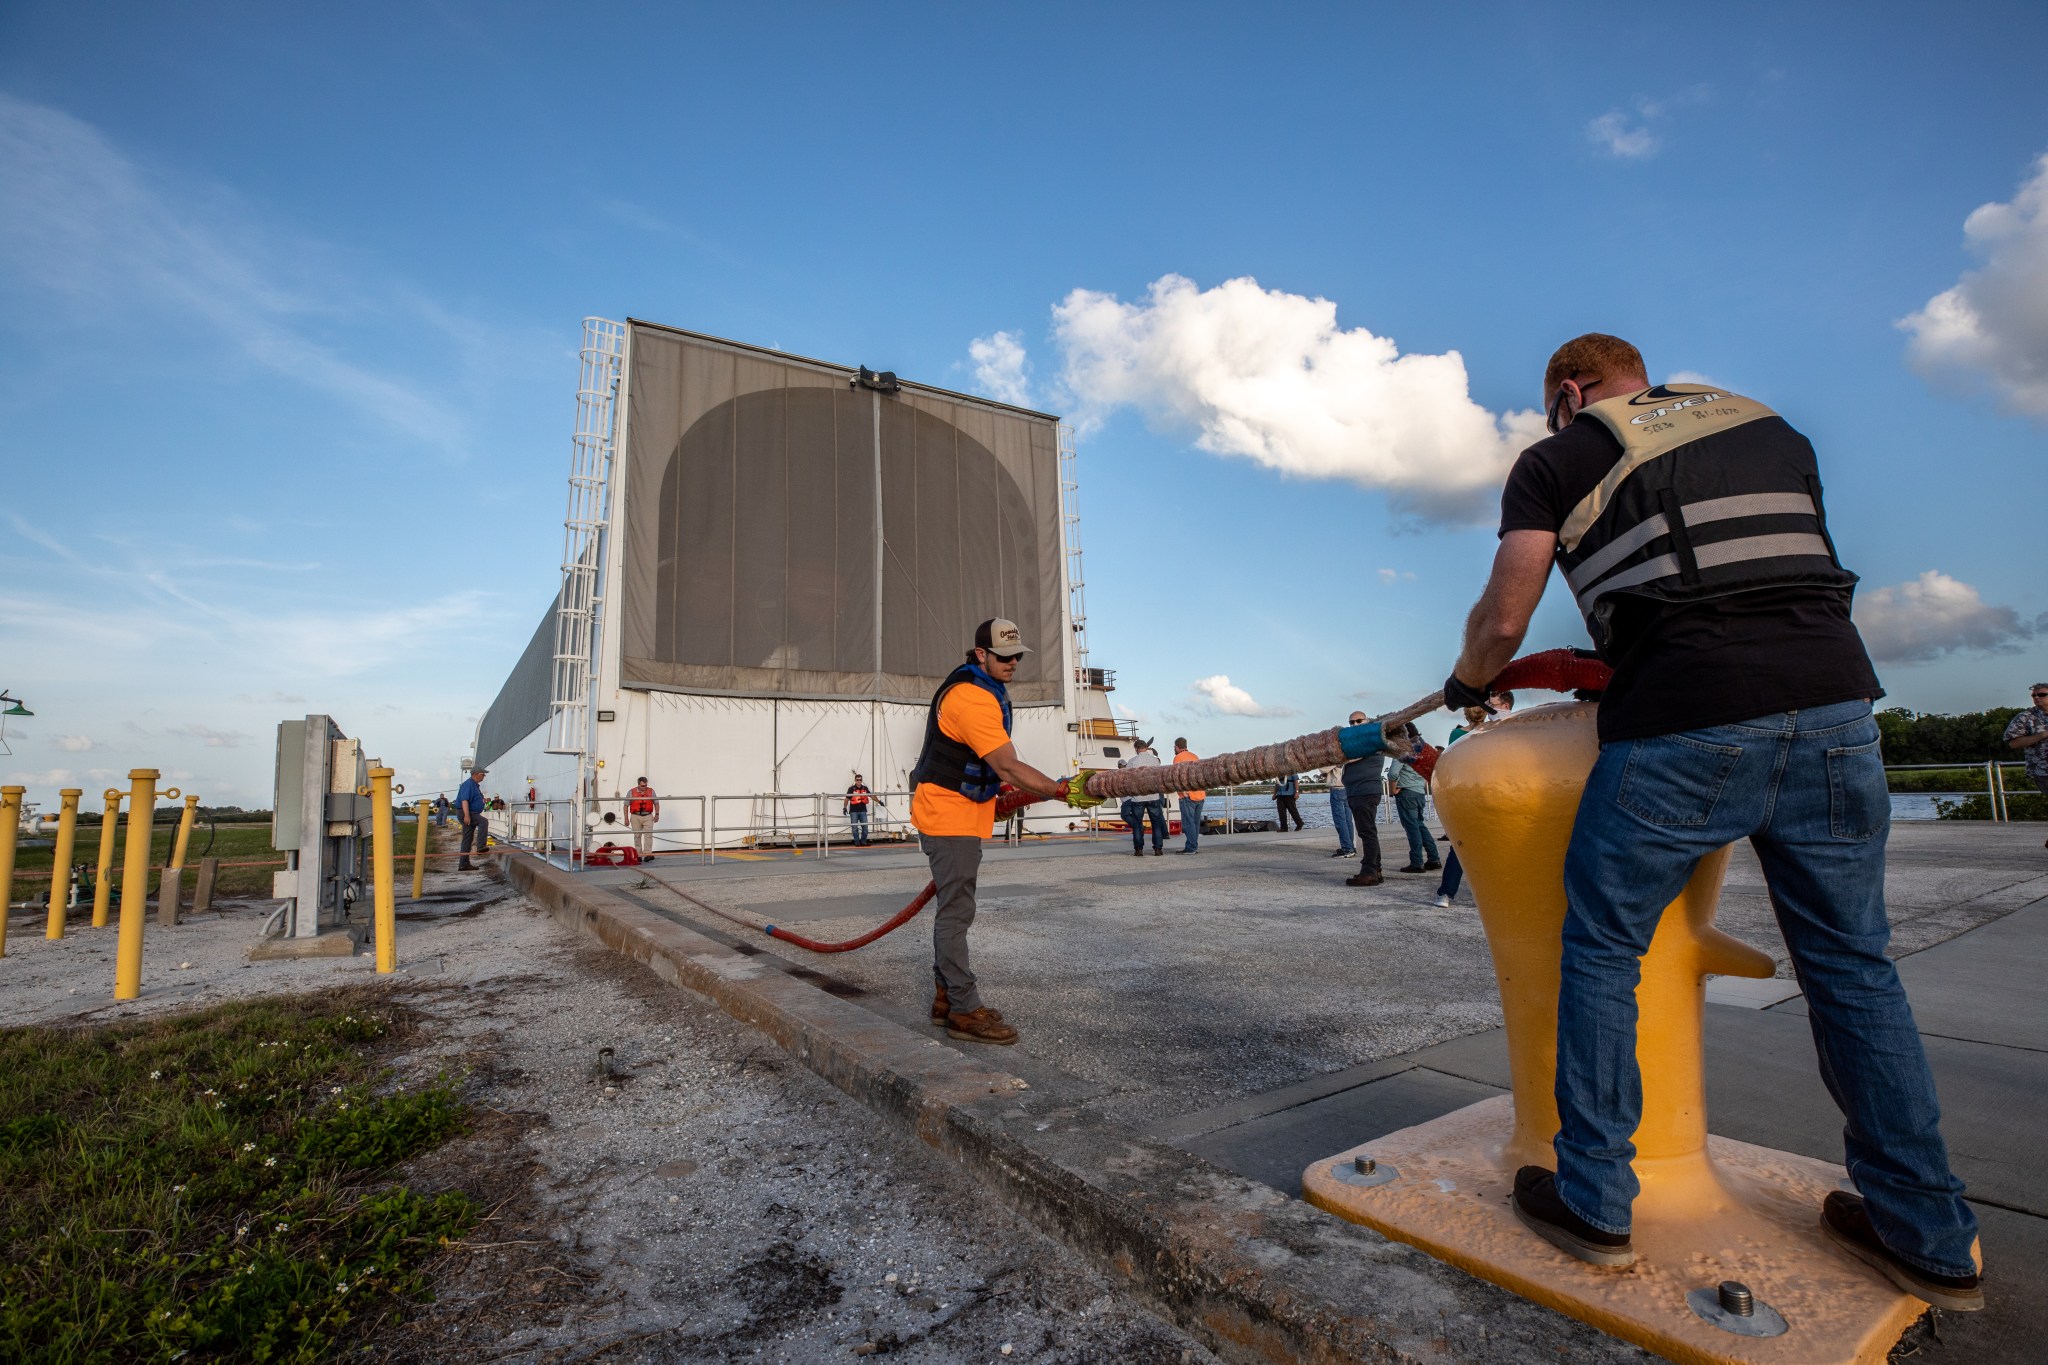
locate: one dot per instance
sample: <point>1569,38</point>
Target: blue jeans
<point>859,816</point>
<point>1807,789</point>
<point>1190,824</point>
<point>1454,875</point>
<point>1421,846</point>
<point>1340,813</point>
<point>1135,815</point>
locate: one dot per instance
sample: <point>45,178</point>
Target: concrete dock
<point>1242,1007</point>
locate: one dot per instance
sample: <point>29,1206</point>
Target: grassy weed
<point>207,1185</point>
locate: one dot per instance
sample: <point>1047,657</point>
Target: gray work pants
<point>956,862</point>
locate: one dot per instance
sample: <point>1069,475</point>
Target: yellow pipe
<point>382,857</point>
<point>10,826</point>
<point>419,857</point>
<point>103,885</point>
<point>171,891</point>
<point>60,861</point>
<point>135,883</point>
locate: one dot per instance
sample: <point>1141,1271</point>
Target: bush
<point>1914,737</point>
<point>2018,806</point>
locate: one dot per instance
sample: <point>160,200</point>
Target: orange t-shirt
<point>972,715</point>
<point>1190,756</point>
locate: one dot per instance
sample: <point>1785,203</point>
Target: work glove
<point>1457,696</point>
<point>1077,791</point>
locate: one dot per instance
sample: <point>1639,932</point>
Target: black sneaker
<point>1847,1225</point>
<point>1345,853</point>
<point>1414,867</point>
<point>1537,1204</point>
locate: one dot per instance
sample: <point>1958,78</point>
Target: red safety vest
<point>640,801</point>
<point>856,796</point>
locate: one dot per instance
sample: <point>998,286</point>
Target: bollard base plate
<point>332,943</point>
<point>1451,1200</point>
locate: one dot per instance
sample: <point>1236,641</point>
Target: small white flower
<point>177,1189</point>
<point>208,1091</point>
<point>334,1090</point>
<point>341,1289</point>
<point>248,1146</point>
<point>156,1075</point>
<point>220,1104</point>
<point>270,1161</point>
<point>344,1104</point>
<point>284,1227</point>
<point>242,1232</point>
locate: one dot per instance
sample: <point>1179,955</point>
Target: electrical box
<point>320,821</point>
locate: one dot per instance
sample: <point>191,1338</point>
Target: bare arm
<point>1499,620</point>
<point>1022,775</point>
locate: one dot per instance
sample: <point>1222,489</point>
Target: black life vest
<point>1714,494</point>
<point>946,762</point>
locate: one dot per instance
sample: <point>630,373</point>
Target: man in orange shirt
<point>1190,802</point>
<point>966,759</point>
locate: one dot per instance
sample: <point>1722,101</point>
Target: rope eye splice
<point>1552,670</point>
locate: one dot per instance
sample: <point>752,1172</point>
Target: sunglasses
<point>1004,658</point>
<point>1553,420</point>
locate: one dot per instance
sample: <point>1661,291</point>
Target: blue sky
<point>289,301</point>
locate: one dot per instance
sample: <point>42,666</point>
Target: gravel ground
<point>694,1196</point>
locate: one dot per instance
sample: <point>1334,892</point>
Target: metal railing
<point>1993,788</point>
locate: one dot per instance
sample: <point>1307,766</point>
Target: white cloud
<point>1396,576</point>
<point>1993,323</point>
<point>1224,697</point>
<point>1933,615</point>
<point>1270,376</point>
<point>1691,377</point>
<point>73,744</point>
<point>212,738</point>
<point>53,777</point>
<point>1001,368</point>
<point>1621,136</point>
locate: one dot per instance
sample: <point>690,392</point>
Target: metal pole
<point>10,826</point>
<point>103,885</point>
<point>135,882</point>
<point>382,859</point>
<point>60,862</point>
<point>172,890</point>
<point>419,855</point>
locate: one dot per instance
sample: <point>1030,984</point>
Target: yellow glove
<point>1077,790</point>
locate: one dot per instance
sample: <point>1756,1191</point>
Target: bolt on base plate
<point>1723,1308</point>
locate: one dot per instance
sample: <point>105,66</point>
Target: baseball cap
<point>998,636</point>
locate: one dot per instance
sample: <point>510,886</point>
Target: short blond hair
<point>1593,357</point>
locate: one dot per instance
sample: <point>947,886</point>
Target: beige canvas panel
<point>1647,430</point>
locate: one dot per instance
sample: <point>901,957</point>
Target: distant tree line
<point>1914,737</point>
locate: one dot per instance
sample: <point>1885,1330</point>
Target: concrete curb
<point>1258,1277</point>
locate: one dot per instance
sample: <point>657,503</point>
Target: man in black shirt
<point>1687,522</point>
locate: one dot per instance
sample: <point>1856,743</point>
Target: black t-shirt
<point>1684,666</point>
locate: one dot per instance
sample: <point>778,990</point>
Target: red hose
<point>1010,800</point>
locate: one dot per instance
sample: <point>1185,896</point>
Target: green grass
<point>231,844</point>
<point>213,1184</point>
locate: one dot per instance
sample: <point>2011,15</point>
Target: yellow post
<point>135,883</point>
<point>103,885</point>
<point>60,861</point>
<point>10,825</point>
<point>382,857</point>
<point>172,891</point>
<point>419,857</point>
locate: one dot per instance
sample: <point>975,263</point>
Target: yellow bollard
<point>135,882</point>
<point>1710,1209</point>
<point>382,858</point>
<point>60,861</point>
<point>10,826</point>
<point>419,857</point>
<point>171,892</point>
<point>103,885</point>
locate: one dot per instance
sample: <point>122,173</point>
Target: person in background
<point>1340,813</point>
<point>855,810</point>
<point>1139,809</point>
<point>2028,733</point>
<point>476,825</point>
<point>1190,802</point>
<point>1364,785</point>
<point>441,810</point>
<point>1502,703</point>
<point>1287,800</point>
<point>1454,871</point>
<point>642,810</point>
<point>1411,793</point>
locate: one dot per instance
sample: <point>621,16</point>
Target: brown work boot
<point>940,1009</point>
<point>1364,879</point>
<point>980,1026</point>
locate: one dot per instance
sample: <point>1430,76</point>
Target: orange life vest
<point>856,796</point>
<point>640,801</point>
